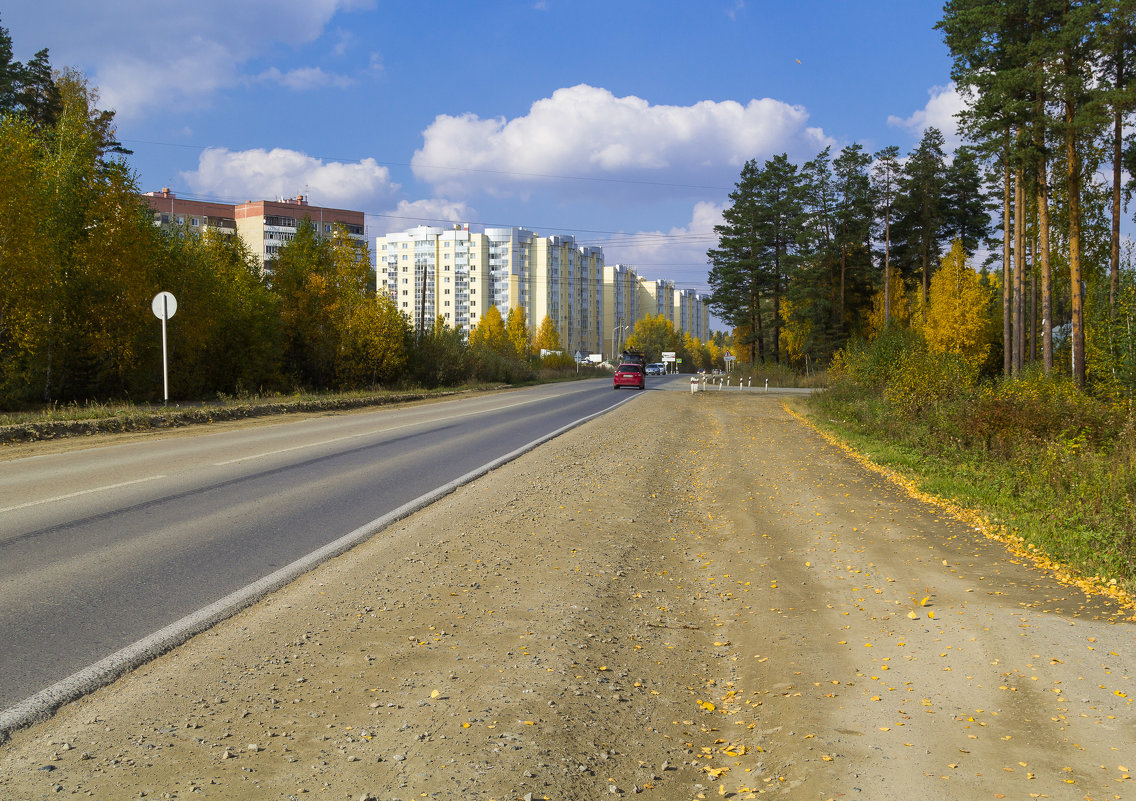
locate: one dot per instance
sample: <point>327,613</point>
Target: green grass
<point>1074,502</point>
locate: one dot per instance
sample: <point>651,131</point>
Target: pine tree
<point>920,209</point>
<point>10,73</point>
<point>967,216</point>
<point>854,213</point>
<point>737,274</point>
<point>1117,42</point>
<point>885,176</point>
<point>38,95</point>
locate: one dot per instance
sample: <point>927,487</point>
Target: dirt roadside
<point>722,605</point>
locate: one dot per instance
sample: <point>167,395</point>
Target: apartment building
<point>264,225</point>
<point>691,314</point>
<point>657,297</point>
<point>620,305</point>
<point>267,225</point>
<point>567,286</point>
<point>169,209</point>
<point>430,271</point>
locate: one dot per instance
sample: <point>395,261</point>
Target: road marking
<point>369,433</point>
<point>79,493</point>
<point>139,653</point>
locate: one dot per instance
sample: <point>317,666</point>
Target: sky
<point>622,122</point>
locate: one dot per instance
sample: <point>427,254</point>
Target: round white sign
<point>164,305</point>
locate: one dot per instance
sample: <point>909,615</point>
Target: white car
<point>656,369</point>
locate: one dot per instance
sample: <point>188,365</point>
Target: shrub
<point>1037,408</point>
<point>871,364</point>
<point>923,382</point>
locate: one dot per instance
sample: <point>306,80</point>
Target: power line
<point>613,239</point>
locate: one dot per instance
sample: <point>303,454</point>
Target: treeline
<point>656,335</point>
<point>814,256</point>
<point>81,260</point>
<point>803,250</point>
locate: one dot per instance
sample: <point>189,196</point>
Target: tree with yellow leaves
<point>958,310</point>
<point>489,333</point>
<point>892,303</point>
<point>547,337</point>
<point>374,344</point>
<point>517,332</point>
<point>653,335</point>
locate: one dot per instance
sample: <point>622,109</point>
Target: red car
<point>629,375</point>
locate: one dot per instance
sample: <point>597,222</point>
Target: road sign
<point>164,305</point>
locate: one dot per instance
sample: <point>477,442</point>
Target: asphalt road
<point>102,547</point>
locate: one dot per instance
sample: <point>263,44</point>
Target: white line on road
<point>109,668</point>
<point>80,492</point>
<point>367,434</point>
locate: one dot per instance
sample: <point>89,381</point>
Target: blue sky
<point>624,122</point>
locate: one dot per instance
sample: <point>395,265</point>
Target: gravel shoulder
<point>690,597</point>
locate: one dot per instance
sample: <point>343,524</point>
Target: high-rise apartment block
<point>457,274</point>
<point>264,225</point>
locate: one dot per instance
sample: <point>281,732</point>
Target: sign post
<point>164,305</point>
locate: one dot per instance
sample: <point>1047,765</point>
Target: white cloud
<point>305,78</point>
<point>410,214</point>
<point>678,253</point>
<point>268,174</point>
<point>585,132</point>
<point>941,112</point>
<point>144,55</point>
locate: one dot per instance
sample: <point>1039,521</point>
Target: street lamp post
<point>614,341</point>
